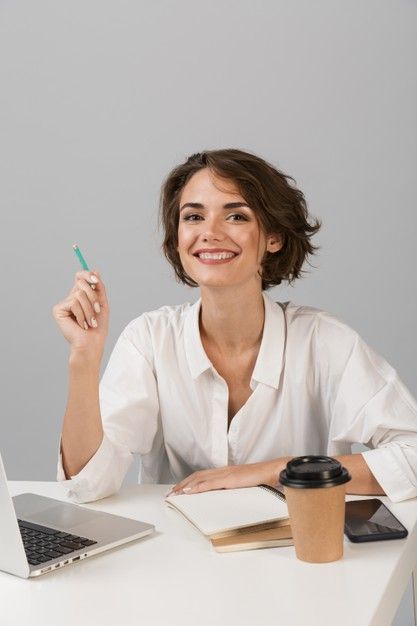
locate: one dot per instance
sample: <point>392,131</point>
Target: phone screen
<point>370,520</point>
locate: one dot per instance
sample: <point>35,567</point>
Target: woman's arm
<point>363,481</point>
<point>233,476</point>
<point>128,419</point>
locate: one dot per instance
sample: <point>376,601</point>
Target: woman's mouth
<point>215,258</point>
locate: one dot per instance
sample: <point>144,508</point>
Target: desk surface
<point>174,577</point>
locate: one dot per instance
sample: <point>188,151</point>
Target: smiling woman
<point>216,234</point>
<point>221,393</point>
<point>263,194</point>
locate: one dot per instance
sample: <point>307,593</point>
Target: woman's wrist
<point>276,468</point>
<point>83,359</point>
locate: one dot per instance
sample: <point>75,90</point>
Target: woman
<point>222,393</point>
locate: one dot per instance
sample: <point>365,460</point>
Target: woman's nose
<point>213,230</point>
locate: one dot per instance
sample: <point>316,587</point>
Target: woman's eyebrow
<point>229,205</point>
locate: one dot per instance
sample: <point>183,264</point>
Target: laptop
<point>39,534</point>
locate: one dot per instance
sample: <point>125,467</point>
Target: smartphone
<point>371,520</point>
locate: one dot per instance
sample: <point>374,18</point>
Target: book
<point>269,538</point>
<point>235,514</point>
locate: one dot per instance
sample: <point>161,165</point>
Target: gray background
<point>100,99</point>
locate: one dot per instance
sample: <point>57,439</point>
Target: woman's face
<point>220,241</point>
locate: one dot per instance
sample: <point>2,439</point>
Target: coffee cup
<point>315,488</point>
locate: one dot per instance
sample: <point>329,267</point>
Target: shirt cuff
<point>96,480</point>
<point>388,472</point>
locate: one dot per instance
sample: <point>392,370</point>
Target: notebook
<point>221,513</point>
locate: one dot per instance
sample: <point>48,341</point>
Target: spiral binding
<point>274,491</point>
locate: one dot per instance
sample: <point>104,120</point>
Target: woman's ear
<point>274,243</point>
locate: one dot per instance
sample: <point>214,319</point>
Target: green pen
<point>82,261</point>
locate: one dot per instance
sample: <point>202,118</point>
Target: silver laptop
<point>39,535</point>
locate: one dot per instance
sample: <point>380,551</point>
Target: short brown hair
<point>280,207</point>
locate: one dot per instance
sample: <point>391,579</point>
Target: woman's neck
<point>232,320</point>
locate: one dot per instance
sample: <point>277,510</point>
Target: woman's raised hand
<point>83,316</point>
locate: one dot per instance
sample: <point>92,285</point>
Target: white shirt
<point>317,388</point>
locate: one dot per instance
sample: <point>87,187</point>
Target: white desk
<point>175,578</point>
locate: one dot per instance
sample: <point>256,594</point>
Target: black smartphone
<point>371,520</point>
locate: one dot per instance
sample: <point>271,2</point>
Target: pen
<point>82,261</point>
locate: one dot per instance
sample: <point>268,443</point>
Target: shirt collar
<point>269,362</point>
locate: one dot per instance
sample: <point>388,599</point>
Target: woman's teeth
<point>216,255</point>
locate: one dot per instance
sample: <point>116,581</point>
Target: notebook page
<point>225,509</point>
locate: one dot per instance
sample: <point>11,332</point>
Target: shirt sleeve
<point>372,406</point>
<point>129,411</point>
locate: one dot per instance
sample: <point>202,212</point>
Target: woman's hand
<point>232,477</point>
<point>83,316</point>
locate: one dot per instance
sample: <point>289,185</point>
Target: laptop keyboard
<point>44,544</point>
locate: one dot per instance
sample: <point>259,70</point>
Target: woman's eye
<point>238,217</point>
<point>192,217</point>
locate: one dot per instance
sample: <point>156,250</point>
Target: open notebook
<point>231,518</point>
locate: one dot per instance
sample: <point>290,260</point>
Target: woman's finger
<point>202,485</point>
<point>195,484</point>
<point>73,306</point>
<point>91,277</point>
<point>87,308</point>
<point>93,296</point>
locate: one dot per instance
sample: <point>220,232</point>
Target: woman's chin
<point>218,277</point>
<point>219,282</point>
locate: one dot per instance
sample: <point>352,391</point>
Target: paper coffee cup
<point>315,488</point>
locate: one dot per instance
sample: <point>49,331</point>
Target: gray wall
<point>101,98</point>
